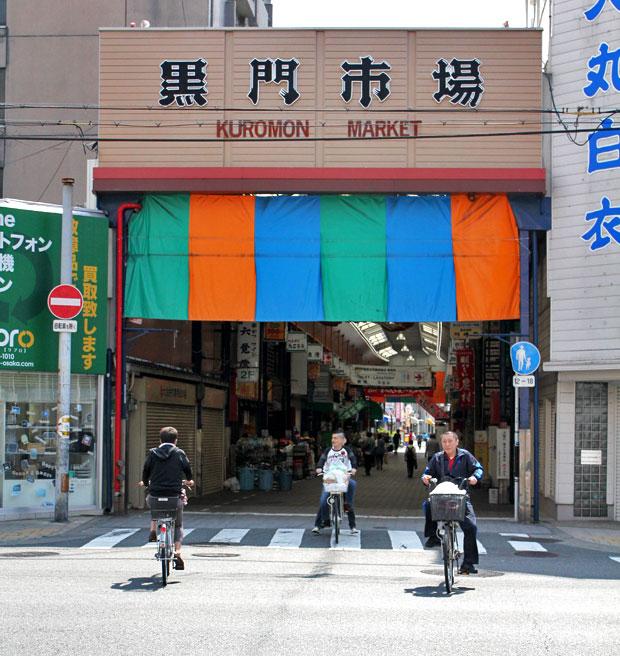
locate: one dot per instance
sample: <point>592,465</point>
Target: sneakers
<point>467,568</point>
<point>152,536</point>
<point>316,530</point>
<point>327,524</point>
<point>178,562</point>
<point>432,542</point>
<point>354,531</point>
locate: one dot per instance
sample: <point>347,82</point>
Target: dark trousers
<point>410,467</point>
<point>369,460</point>
<point>379,459</point>
<point>468,526</point>
<point>323,512</point>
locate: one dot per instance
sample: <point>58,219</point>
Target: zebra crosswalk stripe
<point>346,540</point>
<point>230,535</point>
<point>523,545</point>
<point>111,539</point>
<point>408,540</point>
<point>616,558</point>
<point>288,538</point>
<point>186,532</point>
<point>460,537</point>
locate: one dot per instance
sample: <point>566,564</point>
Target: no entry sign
<point>65,301</point>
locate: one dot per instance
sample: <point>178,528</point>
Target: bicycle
<point>335,501</point>
<point>448,503</point>
<point>164,511</point>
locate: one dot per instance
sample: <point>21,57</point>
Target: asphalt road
<point>243,599</point>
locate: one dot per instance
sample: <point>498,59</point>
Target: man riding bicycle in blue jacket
<point>456,464</point>
<point>342,454</point>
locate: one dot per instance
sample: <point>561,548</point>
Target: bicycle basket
<point>163,507</point>
<point>446,507</point>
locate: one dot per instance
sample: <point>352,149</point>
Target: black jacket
<point>166,467</point>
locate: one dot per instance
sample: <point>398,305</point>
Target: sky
<point>398,13</point>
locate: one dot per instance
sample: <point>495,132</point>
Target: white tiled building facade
<point>580,383</point>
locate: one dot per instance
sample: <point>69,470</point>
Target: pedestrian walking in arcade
<point>379,451</point>
<point>396,440</point>
<point>411,459</point>
<point>368,451</point>
<point>432,447</point>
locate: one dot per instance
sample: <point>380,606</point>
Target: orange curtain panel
<point>222,277</point>
<point>485,242</point>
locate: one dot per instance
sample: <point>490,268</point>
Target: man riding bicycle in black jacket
<point>165,469</point>
<point>454,463</point>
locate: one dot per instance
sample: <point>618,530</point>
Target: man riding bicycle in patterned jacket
<point>459,464</point>
<point>337,453</point>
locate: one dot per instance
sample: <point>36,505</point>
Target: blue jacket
<point>464,466</point>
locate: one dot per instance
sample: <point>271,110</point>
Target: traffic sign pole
<point>63,430</point>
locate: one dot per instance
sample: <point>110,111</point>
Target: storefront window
<point>28,440</point>
<point>590,450</point>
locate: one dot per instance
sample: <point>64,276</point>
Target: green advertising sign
<point>30,235</point>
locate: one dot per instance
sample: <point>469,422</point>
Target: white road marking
<point>287,538</point>
<point>346,540</point>
<point>186,532</point>
<point>459,538</point>
<point>518,545</point>
<point>232,535</point>
<point>616,558</point>
<point>108,540</point>
<point>514,535</point>
<point>408,540</point>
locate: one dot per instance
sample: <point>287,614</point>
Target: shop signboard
<point>30,235</point>
<point>296,342</point>
<point>275,331</point>
<point>247,345</point>
<point>315,352</point>
<point>320,389</point>
<point>370,376</point>
<point>465,376</point>
<point>503,454</point>
<point>352,410</point>
<point>466,330</point>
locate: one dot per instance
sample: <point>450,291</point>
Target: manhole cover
<point>536,554</point>
<point>29,554</point>
<point>482,574</point>
<point>216,555</point>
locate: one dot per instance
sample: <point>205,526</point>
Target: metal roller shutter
<point>183,418</point>
<point>212,450</point>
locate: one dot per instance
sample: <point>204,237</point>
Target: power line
<point>470,135</point>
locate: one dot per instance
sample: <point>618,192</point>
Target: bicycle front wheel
<point>164,568</point>
<point>449,554</point>
<point>336,518</point>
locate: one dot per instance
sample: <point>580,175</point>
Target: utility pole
<point>63,429</point>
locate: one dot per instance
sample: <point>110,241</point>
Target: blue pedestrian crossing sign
<point>525,358</point>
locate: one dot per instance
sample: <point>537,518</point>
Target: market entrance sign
<point>322,89</point>
<point>30,235</point>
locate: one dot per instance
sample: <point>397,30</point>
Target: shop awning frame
<point>308,180</point>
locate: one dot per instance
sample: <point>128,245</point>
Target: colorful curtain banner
<point>323,258</point>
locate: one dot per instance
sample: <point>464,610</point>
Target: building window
<point>590,450</point>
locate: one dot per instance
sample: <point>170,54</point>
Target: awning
<point>323,258</point>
